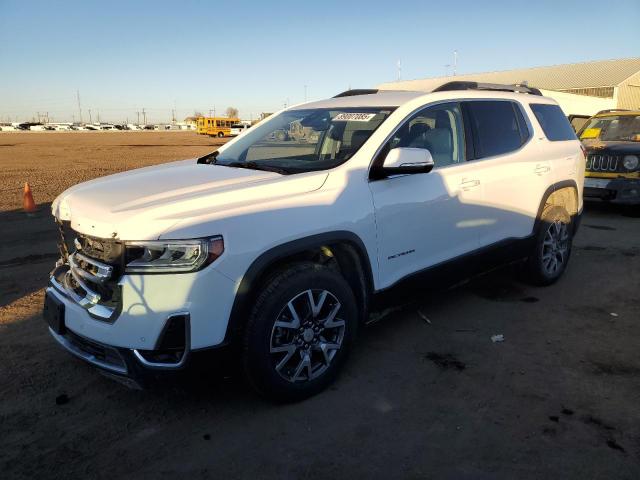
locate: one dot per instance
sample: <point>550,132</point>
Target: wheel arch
<point>345,247</point>
<point>563,194</point>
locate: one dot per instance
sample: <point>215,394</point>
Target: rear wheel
<point>299,332</point>
<point>552,249</point>
<point>220,134</point>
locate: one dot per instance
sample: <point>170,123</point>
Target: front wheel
<point>220,134</point>
<point>299,333</point>
<point>552,248</point>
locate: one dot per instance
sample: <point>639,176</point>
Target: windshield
<point>304,140</point>
<point>625,128</point>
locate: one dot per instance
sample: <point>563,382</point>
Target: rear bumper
<point>623,191</point>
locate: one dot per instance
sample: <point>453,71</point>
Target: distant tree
<point>232,112</point>
<point>198,114</point>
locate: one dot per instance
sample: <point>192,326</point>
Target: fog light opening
<point>172,347</point>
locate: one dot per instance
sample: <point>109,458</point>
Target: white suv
<point>277,242</point>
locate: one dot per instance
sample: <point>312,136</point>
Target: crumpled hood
<point>142,204</point>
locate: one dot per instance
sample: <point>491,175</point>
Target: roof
<point>396,98</point>
<point>603,73</point>
<point>379,99</point>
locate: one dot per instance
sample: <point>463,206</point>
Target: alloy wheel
<point>555,247</point>
<point>307,335</point>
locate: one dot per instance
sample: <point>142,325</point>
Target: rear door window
<point>555,125</point>
<point>498,127</point>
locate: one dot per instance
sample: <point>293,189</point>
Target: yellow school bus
<point>215,126</point>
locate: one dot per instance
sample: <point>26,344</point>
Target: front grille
<point>105,250</point>
<point>89,272</point>
<point>603,163</point>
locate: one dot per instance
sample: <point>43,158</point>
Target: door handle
<point>542,169</point>
<point>469,184</point>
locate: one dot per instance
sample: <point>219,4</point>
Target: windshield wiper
<point>256,166</point>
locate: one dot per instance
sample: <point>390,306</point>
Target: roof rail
<point>611,110</point>
<point>357,91</point>
<point>459,85</point>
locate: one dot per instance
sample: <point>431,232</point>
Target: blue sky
<point>256,55</point>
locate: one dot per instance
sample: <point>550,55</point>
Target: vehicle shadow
<point>598,207</point>
<point>28,252</point>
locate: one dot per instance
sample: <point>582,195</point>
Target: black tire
<point>220,134</point>
<point>261,334</point>
<point>539,269</point>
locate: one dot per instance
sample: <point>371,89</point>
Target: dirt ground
<point>426,393</point>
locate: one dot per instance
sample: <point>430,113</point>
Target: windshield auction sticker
<point>353,117</point>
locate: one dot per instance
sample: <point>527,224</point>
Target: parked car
<point>274,250</point>
<point>238,128</point>
<point>612,140</point>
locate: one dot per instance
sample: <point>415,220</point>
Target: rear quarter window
<point>555,125</point>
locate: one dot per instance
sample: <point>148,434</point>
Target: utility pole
<point>209,112</point>
<point>90,116</point>
<point>455,62</point>
<point>98,114</point>
<point>173,116</point>
<point>79,108</point>
<point>138,113</point>
<point>144,116</point>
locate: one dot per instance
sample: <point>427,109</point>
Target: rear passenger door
<point>513,175</point>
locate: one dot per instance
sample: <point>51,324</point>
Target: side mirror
<point>406,160</point>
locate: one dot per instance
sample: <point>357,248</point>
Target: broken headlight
<point>172,256</point>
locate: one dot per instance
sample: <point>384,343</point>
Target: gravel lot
<point>426,393</point>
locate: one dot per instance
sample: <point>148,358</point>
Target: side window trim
<point>469,136</point>
<point>525,131</point>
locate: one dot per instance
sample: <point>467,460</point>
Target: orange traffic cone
<point>28,204</point>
